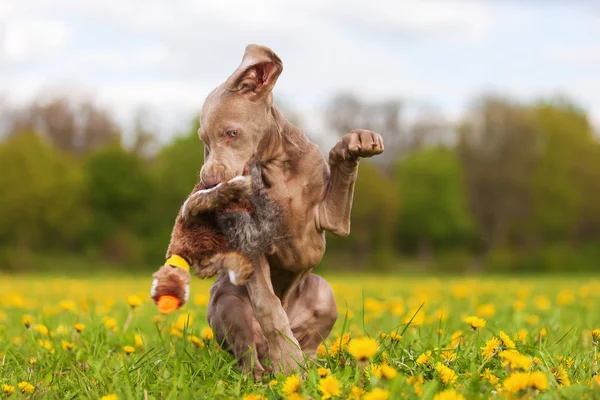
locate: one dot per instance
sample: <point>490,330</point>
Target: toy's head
<point>171,285</point>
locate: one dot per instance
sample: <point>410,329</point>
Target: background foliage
<point>510,187</point>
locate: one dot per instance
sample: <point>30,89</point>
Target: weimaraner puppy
<point>284,312</point>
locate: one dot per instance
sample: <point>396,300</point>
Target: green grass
<point>554,316</point>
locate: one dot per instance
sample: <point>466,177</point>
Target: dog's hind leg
<point>312,312</point>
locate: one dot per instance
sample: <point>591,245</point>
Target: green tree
<point>41,203</point>
<point>566,183</point>
<point>497,145</point>
<point>118,193</point>
<point>434,208</point>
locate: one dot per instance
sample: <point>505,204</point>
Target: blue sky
<point>166,56</point>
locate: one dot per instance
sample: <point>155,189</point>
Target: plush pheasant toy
<point>220,229</point>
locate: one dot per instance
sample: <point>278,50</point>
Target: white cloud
<point>27,39</point>
<point>463,18</point>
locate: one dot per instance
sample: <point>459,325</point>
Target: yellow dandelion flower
<point>490,377</point>
<point>565,296</point>
<point>491,347</point>
<point>449,394</point>
<point>415,318</point>
<point>542,303</point>
<point>79,327</point>
<point>522,335</point>
<point>46,344</point>
<point>376,370</point>
<point>595,336</point>
<point>448,355</point>
<point>273,383</point>
<point>196,341</point>
<point>506,341</point>
<point>27,320</point>
<point>128,349</point>
<point>457,338</point>
<point>362,348</point>
<point>323,372</point>
<point>291,385</point>
<point>41,329</point>
<point>596,380</point>
<point>395,337</point>
<point>447,375</point>
<point>254,397</point>
<point>475,322</point>
<point>32,361</point>
<point>377,394</point>
<point>207,334</point>
<point>486,310</point>
<point>519,305</point>
<point>67,346</point>
<point>139,342</point>
<point>321,350</point>
<point>183,320</point>
<point>8,389</point>
<point>424,358</point>
<point>110,323</point>
<point>388,372</point>
<point>567,361</point>
<point>355,393</point>
<point>109,397</point>
<point>543,333</point>
<point>134,301</point>
<point>516,360</point>
<point>373,305</point>
<point>329,386</point>
<point>532,319</point>
<point>61,330</point>
<point>561,376</point>
<point>340,344</point>
<point>417,382</point>
<point>201,300</point>
<point>157,319</point>
<point>67,305</point>
<point>520,381</point>
<point>176,332</point>
<point>26,387</point>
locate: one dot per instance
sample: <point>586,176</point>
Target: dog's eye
<point>232,133</point>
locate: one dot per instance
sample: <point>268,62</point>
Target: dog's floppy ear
<point>258,72</point>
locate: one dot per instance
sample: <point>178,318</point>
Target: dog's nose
<point>209,181</point>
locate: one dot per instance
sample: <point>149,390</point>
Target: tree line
<point>511,187</point>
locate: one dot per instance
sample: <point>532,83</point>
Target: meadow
<point>396,338</point>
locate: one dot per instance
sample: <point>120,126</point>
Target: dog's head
<point>236,119</point>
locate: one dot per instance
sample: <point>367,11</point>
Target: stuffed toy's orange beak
<point>167,304</point>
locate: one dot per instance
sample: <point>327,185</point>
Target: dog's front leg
<point>284,350</point>
<point>334,210</point>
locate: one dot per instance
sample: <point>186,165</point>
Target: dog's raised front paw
<point>358,143</point>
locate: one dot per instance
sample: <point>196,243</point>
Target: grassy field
<point>396,338</point>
